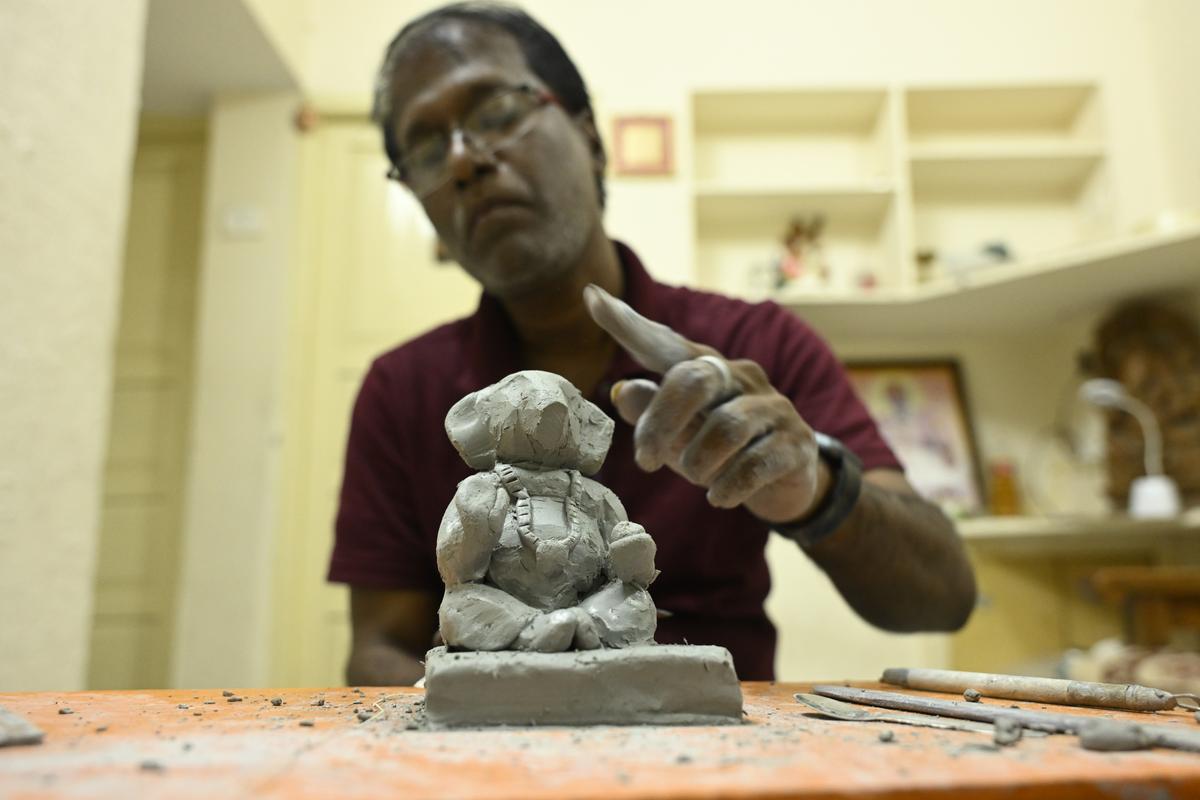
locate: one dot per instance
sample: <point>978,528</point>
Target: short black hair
<point>543,53</point>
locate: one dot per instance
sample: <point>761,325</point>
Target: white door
<point>369,280</point>
<point>138,552</point>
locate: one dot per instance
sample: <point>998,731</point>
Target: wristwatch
<point>846,472</point>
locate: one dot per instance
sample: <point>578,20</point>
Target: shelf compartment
<point>739,234</point>
<point>833,136</point>
<point>955,231</point>
<point>853,112</point>
<point>1003,113</point>
<point>956,175</point>
<point>721,209</point>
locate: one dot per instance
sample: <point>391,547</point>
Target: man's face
<point>520,217</point>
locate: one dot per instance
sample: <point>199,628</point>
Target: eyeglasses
<point>495,123</point>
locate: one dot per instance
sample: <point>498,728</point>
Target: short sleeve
<point>377,542</point>
<point>807,370</point>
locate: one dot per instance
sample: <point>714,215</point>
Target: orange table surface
<point>145,744</point>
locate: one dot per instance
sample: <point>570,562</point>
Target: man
<point>487,121</point>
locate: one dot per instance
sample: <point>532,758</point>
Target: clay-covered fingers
<point>652,344</point>
<point>718,423</point>
<point>725,432</point>
<point>678,409</point>
<point>767,462</point>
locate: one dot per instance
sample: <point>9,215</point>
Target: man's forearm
<point>898,561</point>
<point>382,664</point>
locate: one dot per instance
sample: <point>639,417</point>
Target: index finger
<point>652,344</point>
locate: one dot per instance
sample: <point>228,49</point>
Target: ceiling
<point>197,48</point>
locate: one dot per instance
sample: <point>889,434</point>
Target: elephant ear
<point>469,433</point>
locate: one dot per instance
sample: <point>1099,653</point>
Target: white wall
<point>1175,29</point>
<point>647,56</point>
<point>288,26</point>
<point>231,507</point>
<point>65,68</point>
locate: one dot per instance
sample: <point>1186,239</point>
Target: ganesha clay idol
<point>547,617</point>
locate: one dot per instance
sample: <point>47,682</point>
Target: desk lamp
<point>1153,494</point>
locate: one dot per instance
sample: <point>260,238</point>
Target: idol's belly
<point>546,579</point>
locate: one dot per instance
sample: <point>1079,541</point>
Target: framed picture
<point>921,410</point>
<point>642,146</point>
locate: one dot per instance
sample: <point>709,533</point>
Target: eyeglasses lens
<point>496,122</point>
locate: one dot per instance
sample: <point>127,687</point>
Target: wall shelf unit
<point>895,171</point>
<point>1019,295</point>
<point>1048,535</point>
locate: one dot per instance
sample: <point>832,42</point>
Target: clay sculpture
<point>547,616</point>
<point>535,554</point>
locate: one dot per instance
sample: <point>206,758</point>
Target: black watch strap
<point>846,469</point>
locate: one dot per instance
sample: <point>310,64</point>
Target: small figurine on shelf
<point>802,262</point>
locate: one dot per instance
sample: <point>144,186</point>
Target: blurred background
<point>981,205</point>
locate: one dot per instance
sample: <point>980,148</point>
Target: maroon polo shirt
<point>402,471</point>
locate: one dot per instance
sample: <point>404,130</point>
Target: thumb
<point>631,397</point>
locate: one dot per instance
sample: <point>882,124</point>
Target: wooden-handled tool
<point>1128,697</point>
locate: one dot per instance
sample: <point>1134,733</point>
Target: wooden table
<point>201,744</point>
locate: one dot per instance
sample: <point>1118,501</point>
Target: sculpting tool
<point>1094,734</point>
<point>1128,697</point>
<point>836,709</point>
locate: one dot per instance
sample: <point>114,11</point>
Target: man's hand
<point>896,559</point>
<point>720,424</point>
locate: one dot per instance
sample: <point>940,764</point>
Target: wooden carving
<point>1154,350</point>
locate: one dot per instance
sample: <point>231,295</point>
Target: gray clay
<point>547,615</point>
<point>639,685</point>
<point>1007,731</point>
<point>535,555</point>
<point>1113,736</point>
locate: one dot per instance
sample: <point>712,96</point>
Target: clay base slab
<point>648,685</point>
